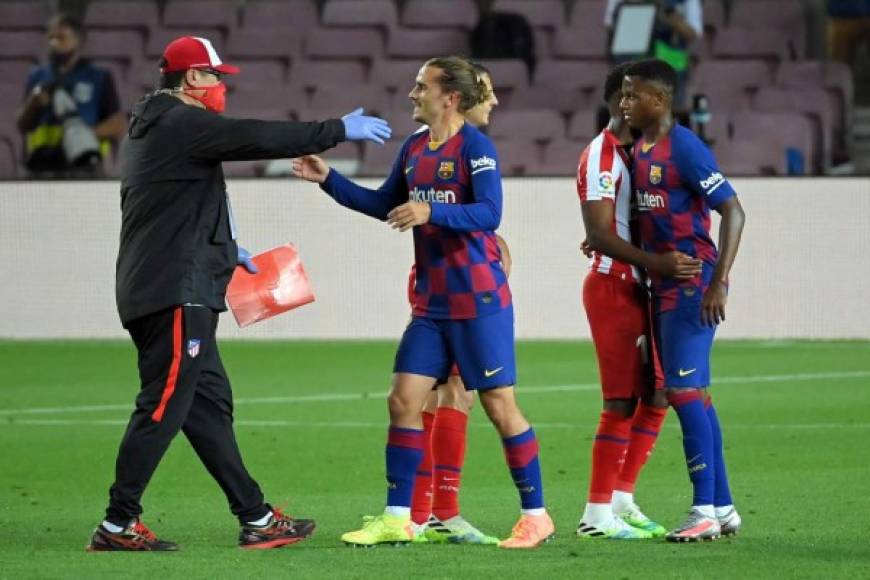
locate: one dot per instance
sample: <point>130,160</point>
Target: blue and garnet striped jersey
<point>457,258</point>
<point>676,181</point>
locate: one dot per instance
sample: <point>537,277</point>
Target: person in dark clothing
<point>71,114</point>
<point>177,254</point>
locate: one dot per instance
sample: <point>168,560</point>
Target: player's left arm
<point>506,260</point>
<point>481,215</point>
<point>703,176</point>
<point>730,230</point>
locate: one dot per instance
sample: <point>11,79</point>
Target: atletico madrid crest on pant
<point>193,347</point>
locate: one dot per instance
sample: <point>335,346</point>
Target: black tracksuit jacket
<point>176,246</point>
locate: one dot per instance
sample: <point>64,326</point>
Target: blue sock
<point>521,452</point>
<point>404,454</point>
<point>697,444</point>
<point>722,495</point>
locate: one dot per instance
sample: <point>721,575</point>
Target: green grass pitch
<point>311,422</point>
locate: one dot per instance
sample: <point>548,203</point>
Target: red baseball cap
<point>194,52</point>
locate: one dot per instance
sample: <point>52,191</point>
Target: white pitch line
<point>380,425</point>
<point>523,390</point>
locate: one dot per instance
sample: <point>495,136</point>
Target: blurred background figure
<point>848,27</point>
<point>678,24</point>
<point>71,115</point>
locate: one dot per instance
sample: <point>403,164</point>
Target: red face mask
<point>213,98</point>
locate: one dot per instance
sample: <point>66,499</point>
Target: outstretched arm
<point>376,203</point>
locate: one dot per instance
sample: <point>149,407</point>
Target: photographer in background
<point>678,24</point>
<point>71,112</point>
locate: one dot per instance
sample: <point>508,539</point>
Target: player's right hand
<point>586,248</point>
<point>676,265</point>
<point>311,168</point>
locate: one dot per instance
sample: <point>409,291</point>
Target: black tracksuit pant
<point>184,386</point>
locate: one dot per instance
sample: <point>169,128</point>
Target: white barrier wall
<point>803,269</point>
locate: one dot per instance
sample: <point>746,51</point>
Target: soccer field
<point>311,421</point>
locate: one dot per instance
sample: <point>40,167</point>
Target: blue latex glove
<point>358,127</point>
<point>244,259</point>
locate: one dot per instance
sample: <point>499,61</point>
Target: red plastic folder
<point>279,286</point>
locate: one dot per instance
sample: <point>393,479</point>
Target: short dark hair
<point>613,82</point>
<point>69,21</point>
<point>170,80</point>
<point>655,70</point>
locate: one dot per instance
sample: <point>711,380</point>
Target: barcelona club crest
<point>446,170</point>
<point>655,174</point>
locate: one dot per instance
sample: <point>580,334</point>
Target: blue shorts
<point>483,348</point>
<point>684,344</point>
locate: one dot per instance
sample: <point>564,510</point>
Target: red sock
<point>421,501</point>
<point>448,452</point>
<point>608,451</point>
<point>645,427</point>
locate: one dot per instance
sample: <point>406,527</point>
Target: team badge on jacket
<point>446,170</point>
<point>193,347</point>
<point>655,174</point>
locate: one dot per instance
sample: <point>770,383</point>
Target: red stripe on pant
<point>172,378</point>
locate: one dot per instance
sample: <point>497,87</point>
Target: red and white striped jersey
<point>603,174</point>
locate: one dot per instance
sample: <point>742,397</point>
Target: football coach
<point>177,254</point>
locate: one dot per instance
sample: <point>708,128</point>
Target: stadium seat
<point>584,40</point>
<point>8,162</point>
<point>835,76</point>
<point>563,100</point>
<point>714,15</point>
<point>586,76</point>
<point>398,75</point>
<point>160,37</point>
<point>518,156</point>
<point>783,15</point>
<point>532,125</point>
<point>267,74</point>
<point>337,100</point>
<point>125,46</point>
<point>508,74</point>
<point>16,70</point>
<point>139,15</point>
<point>778,131</point>
<point>311,74</point>
<point>24,15</point>
<point>221,14</point>
<point>751,43</point>
<point>291,16</point>
<point>740,157</point>
<point>422,44</point>
<point>583,125</point>
<point>23,45</point>
<point>548,14</point>
<point>812,102</point>
<point>400,119</point>
<point>377,160</point>
<point>561,158</point>
<point>271,43</point>
<point>440,14</point>
<point>359,43</point>
<point>361,13</point>
<point>346,157</point>
<point>729,83</point>
<point>251,98</point>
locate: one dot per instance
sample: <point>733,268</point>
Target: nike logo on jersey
<point>488,373</point>
<point>686,373</point>
<point>409,169</point>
